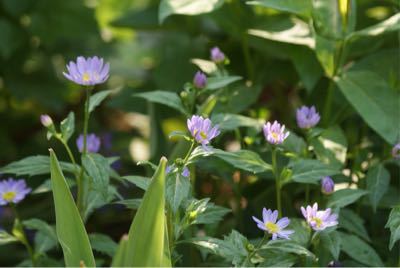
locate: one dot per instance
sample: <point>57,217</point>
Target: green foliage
<point>310,171</point>
<point>97,168</point>
<point>394,224</point>
<point>97,98</point>
<point>103,244</point>
<point>345,197</point>
<point>67,127</point>
<point>378,179</point>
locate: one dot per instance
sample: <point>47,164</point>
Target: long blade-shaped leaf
<point>146,235</point>
<point>71,232</point>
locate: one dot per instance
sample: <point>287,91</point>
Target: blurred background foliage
<point>38,37</point>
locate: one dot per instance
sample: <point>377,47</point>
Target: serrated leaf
<point>97,98</point>
<point>394,224</point>
<point>345,197</point>
<point>353,223</point>
<point>311,171</point>
<point>71,232</point>
<point>220,81</point>
<point>169,99</point>
<point>67,126</point>
<point>103,243</point>
<point>378,179</point>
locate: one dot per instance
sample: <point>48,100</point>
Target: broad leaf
<point>97,98</point>
<point>177,189</point>
<point>120,255</point>
<point>302,7</point>
<point>353,223</point>
<point>46,236</point>
<point>394,224</point>
<point>234,121</point>
<point>374,101</point>
<point>170,99</point>
<point>311,171</point>
<point>345,197</point>
<point>378,179</point>
<point>146,235</point>
<point>71,232</point>
<point>103,243</point>
<point>67,126</point>
<point>287,246</point>
<point>331,242</point>
<point>220,81</point>
<point>141,182</point>
<point>327,20</point>
<point>97,168</point>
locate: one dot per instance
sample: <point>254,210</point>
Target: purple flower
<point>396,151</point>
<point>275,133</point>
<point>202,130</point>
<point>217,55</point>
<point>92,143</point>
<point>319,219</point>
<point>12,191</point>
<point>185,171</point>
<point>327,185</point>
<point>200,80</point>
<point>307,117</point>
<point>88,72</point>
<point>270,225</point>
<point>46,120</point>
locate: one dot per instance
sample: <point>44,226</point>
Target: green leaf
<point>120,255</point>
<point>388,25</point>
<point>131,203</point>
<point>359,250</point>
<point>186,7</point>
<point>6,238</point>
<point>394,224</point>
<point>310,170</point>
<point>169,99</point>
<point>302,8</point>
<point>146,235</point>
<point>326,51</point>
<point>71,232</point>
<point>179,134</point>
<point>205,212</point>
<point>220,81</point>
<point>288,246</point>
<point>302,232</point>
<point>97,98</point>
<point>97,168</point>
<point>331,242</point>
<point>67,126</point>
<point>103,243</point>
<point>327,20</point>
<point>141,182</point>
<point>275,258</point>
<point>373,99</point>
<point>177,189</point>
<point>45,238</point>
<point>353,223</point>
<point>234,121</point>
<point>378,179</point>
<point>34,165</point>
<point>344,197</point>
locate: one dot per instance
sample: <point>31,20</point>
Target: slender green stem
<point>21,236</point>
<point>84,152</point>
<point>277,182</point>
<point>71,157</point>
<point>259,245</point>
<point>189,152</point>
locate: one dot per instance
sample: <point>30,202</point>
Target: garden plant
<point>278,143</point>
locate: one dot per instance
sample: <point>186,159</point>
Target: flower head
<point>92,143</point>
<point>200,80</point>
<point>12,191</point>
<point>307,117</point>
<point>202,130</point>
<point>275,133</point>
<point>217,55</point>
<point>396,151</point>
<point>88,72</point>
<point>272,226</point>
<point>327,185</point>
<point>319,219</point>
<point>46,120</point>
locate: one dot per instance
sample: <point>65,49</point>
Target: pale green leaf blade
<point>120,255</point>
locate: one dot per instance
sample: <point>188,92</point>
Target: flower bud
<point>327,185</point>
<point>46,120</point>
<point>217,55</point>
<point>200,80</point>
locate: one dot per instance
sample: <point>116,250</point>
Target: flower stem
<point>277,182</point>
<point>260,244</point>
<point>189,152</point>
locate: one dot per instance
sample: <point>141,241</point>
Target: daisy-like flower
<point>275,133</point>
<point>92,143</point>
<point>396,151</point>
<point>327,185</point>
<point>202,130</point>
<point>13,191</point>
<point>307,117</point>
<point>200,80</point>
<point>272,226</point>
<point>319,219</point>
<point>88,72</point>
<point>217,55</point>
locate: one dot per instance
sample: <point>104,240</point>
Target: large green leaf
<point>388,25</point>
<point>331,242</point>
<point>302,7</point>
<point>353,223</point>
<point>97,168</point>
<point>327,20</point>
<point>344,197</point>
<point>186,7</point>
<point>120,255</point>
<point>146,235</point>
<point>170,99</point>
<point>378,179</point>
<point>374,101</point>
<point>220,81</point>
<point>141,182</point>
<point>311,171</point>
<point>97,98</point>
<point>45,237</point>
<point>71,232</point>
<point>394,224</point>
<point>359,250</point>
<point>177,189</point>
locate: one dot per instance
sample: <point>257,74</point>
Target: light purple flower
<point>327,185</point>
<point>202,130</point>
<point>307,117</point>
<point>200,80</point>
<point>396,151</point>
<point>12,191</point>
<point>171,168</point>
<point>217,55</point>
<point>319,219</point>
<point>92,143</point>
<point>88,72</point>
<point>46,120</point>
<point>275,133</point>
<point>270,225</point>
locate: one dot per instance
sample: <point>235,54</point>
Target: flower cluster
<point>270,224</point>
<point>13,191</point>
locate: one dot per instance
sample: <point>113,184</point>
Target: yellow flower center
<point>272,227</point>
<point>318,221</point>
<point>85,77</point>
<point>275,135</point>
<point>203,135</point>
<point>9,196</point>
